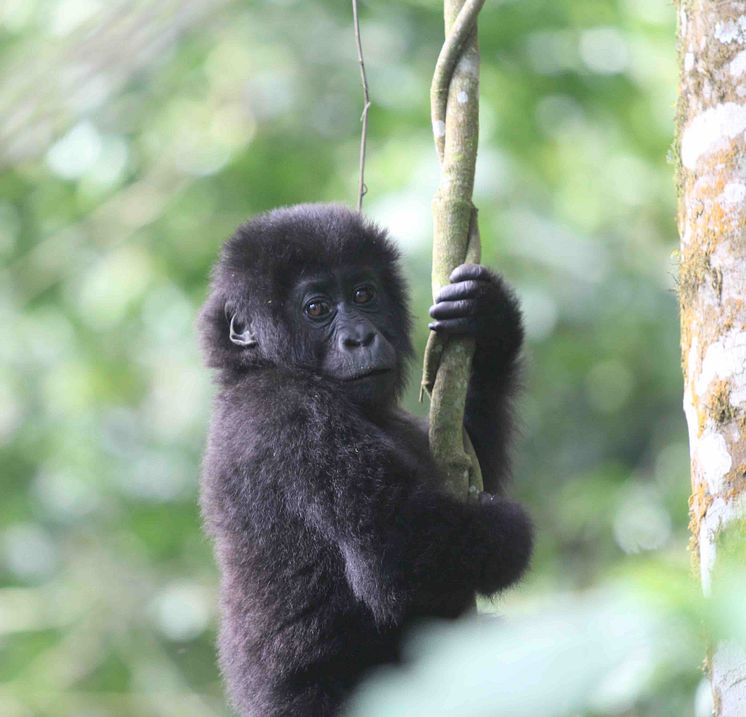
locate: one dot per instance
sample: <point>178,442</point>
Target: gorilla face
<point>314,288</point>
<point>340,316</point>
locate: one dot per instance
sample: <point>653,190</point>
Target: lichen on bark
<point>711,181</point>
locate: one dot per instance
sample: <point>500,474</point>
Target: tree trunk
<point>712,223</point>
<point>455,119</point>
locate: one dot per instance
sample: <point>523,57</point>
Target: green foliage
<point>135,136</point>
<point>592,655</point>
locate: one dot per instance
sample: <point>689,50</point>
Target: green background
<point>134,136</point>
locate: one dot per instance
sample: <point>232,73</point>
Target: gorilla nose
<point>358,339</point>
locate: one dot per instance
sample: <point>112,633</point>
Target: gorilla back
<point>320,494</point>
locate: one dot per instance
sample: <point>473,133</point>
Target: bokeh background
<point>135,135</point>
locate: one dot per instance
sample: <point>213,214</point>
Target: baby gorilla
<point>320,493</point>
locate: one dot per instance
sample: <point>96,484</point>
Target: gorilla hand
<point>479,303</point>
<point>503,543</point>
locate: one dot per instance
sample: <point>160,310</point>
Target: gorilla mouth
<point>368,374</point>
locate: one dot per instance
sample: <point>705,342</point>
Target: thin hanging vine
<point>362,189</point>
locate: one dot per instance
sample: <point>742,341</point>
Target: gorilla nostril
<point>357,340</point>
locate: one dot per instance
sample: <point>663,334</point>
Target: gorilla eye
<point>317,309</point>
<point>363,294</point>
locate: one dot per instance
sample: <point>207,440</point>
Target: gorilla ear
<point>240,333</point>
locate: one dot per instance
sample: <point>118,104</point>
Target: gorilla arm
<point>403,542</point>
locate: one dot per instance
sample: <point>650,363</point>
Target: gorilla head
<point>314,288</point>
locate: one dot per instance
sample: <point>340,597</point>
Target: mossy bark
<point>711,180</point>
<point>455,118</point>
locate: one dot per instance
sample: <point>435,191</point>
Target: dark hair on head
<point>264,259</point>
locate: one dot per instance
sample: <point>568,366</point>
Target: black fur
<point>323,502</point>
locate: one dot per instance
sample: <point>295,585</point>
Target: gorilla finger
<point>462,326</point>
<point>454,309</point>
<point>471,271</point>
<point>462,290</point>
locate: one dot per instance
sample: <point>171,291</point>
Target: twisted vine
<point>462,31</point>
<point>454,103</point>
